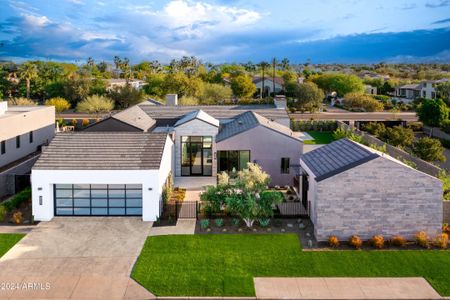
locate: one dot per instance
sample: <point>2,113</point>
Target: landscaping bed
<point>320,137</point>
<point>17,210</point>
<point>8,240</point>
<point>225,264</point>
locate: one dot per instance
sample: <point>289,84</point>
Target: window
<point>31,137</point>
<point>18,141</point>
<point>196,155</point>
<point>230,161</point>
<point>285,165</point>
<point>3,147</point>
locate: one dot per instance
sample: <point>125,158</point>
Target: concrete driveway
<point>76,258</point>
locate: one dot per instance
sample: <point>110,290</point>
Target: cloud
<point>441,21</point>
<point>438,4</point>
<point>407,6</point>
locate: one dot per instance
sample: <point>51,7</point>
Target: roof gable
<point>136,117</point>
<point>199,115</point>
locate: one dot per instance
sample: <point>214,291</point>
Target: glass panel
<point>196,139</point>
<point>116,194</point>
<point>63,193</point>
<point>134,186</point>
<point>81,202</point>
<point>99,186</point>
<point>100,211</point>
<point>117,202</point>
<point>116,211</point>
<point>81,186</point>
<point>63,202</point>
<point>99,202</point>
<point>81,211</point>
<point>244,159</point>
<point>134,202</point>
<point>196,159</point>
<point>207,142</point>
<point>134,193</point>
<point>207,162</point>
<point>233,161</point>
<point>116,186</point>
<point>64,211</point>
<point>99,193</point>
<point>223,159</point>
<point>63,186</point>
<point>185,171</point>
<point>185,159</point>
<point>81,193</point>
<point>134,211</point>
<point>184,139</point>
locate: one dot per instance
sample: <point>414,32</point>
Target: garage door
<point>98,199</point>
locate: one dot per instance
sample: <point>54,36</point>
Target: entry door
<point>196,159</point>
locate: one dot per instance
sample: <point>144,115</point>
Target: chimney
<point>280,102</point>
<point>3,107</point>
<point>171,100</point>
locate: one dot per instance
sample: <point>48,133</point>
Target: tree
<point>309,96</point>
<point>285,64</point>
<point>179,83</point>
<point>243,86</point>
<point>263,66</point>
<point>21,101</point>
<point>77,89</point>
<point>274,66</point>
<point>126,96</point>
<point>213,93</point>
<point>432,112</point>
<point>28,72</point>
<point>375,128</point>
<point>429,149</point>
<point>59,103</point>
<point>443,90</point>
<point>339,83</point>
<point>154,86</point>
<point>399,136</point>
<point>361,102</point>
<point>95,104</point>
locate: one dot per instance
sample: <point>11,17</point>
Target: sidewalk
<point>183,226</point>
<point>343,288</point>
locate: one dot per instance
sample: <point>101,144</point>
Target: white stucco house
<point>269,84</point>
<point>102,174</point>
<point>424,89</point>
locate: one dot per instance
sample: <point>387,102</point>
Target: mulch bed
<point>26,210</point>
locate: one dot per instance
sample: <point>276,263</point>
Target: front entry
<point>196,156</point>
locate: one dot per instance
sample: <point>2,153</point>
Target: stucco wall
<point>378,197</point>
<point>194,128</point>
<point>267,147</point>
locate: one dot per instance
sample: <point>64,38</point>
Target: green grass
<point>320,137</point>
<point>224,265</point>
<point>7,240</point>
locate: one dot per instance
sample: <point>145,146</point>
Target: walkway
<point>77,258</point>
<point>344,288</point>
<point>183,226</point>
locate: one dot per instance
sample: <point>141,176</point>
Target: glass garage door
<point>98,199</point>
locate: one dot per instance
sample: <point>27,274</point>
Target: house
<point>371,90</point>
<point>24,130</point>
<point>352,189</point>
<point>101,174</point>
<point>269,85</point>
<point>425,89</point>
<point>119,83</point>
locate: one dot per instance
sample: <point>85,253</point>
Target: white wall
<point>45,179</point>
<point>167,165</point>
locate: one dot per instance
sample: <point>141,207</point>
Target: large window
<point>3,147</point>
<point>98,199</point>
<point>285,165</point>
<point>231,161</point>
<point>196,156</point>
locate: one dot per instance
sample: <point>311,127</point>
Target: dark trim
<point>347,167</point>
<point>190,157</point>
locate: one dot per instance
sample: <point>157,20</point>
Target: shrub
<point>377,241</point>
<point>375,128</point>
<point>17,200</point>
<point>85,122</point>
<point>59,103</point>
<point>74,122</point>
<point>204,223</point>
<point>264,222</point>
<point>361,102</point>
<point>422,239</point>
<point>441,241</point>
<point>446,229</point>
<point>429,149</point>
<point>333,241</point>
<point>235,222</point>
<point>398,241</point>
<point>445,126</point>
<point>218,222</point>
<point>3,212</point>
<point>17,218</point>
<point>355,241</point>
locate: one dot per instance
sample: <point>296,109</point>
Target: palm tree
<point>117,61</point>
<point>263,65</point>
<point>274,65</point>
<point>28,72</point>
<point>285,63</point>
<point>126,69</point>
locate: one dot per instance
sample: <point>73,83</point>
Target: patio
<point>191,183</point>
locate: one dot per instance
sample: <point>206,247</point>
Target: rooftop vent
<point>171,99</point>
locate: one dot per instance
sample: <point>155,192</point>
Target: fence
<point>395,152</point>
<point>11,184</point>
<point>291,209</point>
<point>446,212</point>
<point>180,210</point>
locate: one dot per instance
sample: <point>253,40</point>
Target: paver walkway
<point>343,288</point>
<point>76,258</point>
<point>183,226</point>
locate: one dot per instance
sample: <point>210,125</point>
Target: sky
<point>218,31</point>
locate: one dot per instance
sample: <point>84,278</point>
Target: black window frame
<point>107,188</point>
<point>31,137</point>
<point>18,141</point>
<point>229,168</point>
<point>285,165</point>
<point>3,147</point>
<point>204,141</point>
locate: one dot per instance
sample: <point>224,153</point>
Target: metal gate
<point>180,210</point>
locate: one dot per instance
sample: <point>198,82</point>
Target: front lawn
<point>7,240</point>
<point>224,265</point>
<point>320,137</point>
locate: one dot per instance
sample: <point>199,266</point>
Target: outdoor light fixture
<point>39,189</point>
<point>40,200</point>
<point>150,189</point>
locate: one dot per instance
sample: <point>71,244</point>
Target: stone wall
<point>395,152</point>
<point>447,212</point>
<point>378,197</point>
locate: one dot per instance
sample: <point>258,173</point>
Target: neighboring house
<point>425,89</point>
<point>268,85</point>
<point>23,130</point>
<point>352,189</point>
<point>371,90</point>
<point>119,83</point>
<point>89,174</point>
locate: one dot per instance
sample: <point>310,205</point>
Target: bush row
<point>298,125</point>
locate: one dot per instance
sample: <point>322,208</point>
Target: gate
<point>180,210</point>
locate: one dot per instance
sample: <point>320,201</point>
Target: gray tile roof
<point>249,120</point>
<point>103,151</point>
<point>198,114</point>
<point>336,157</point>
<point>136,117</point>
<point>216,111</point>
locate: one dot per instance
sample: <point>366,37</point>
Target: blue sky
<point>343,31</point>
